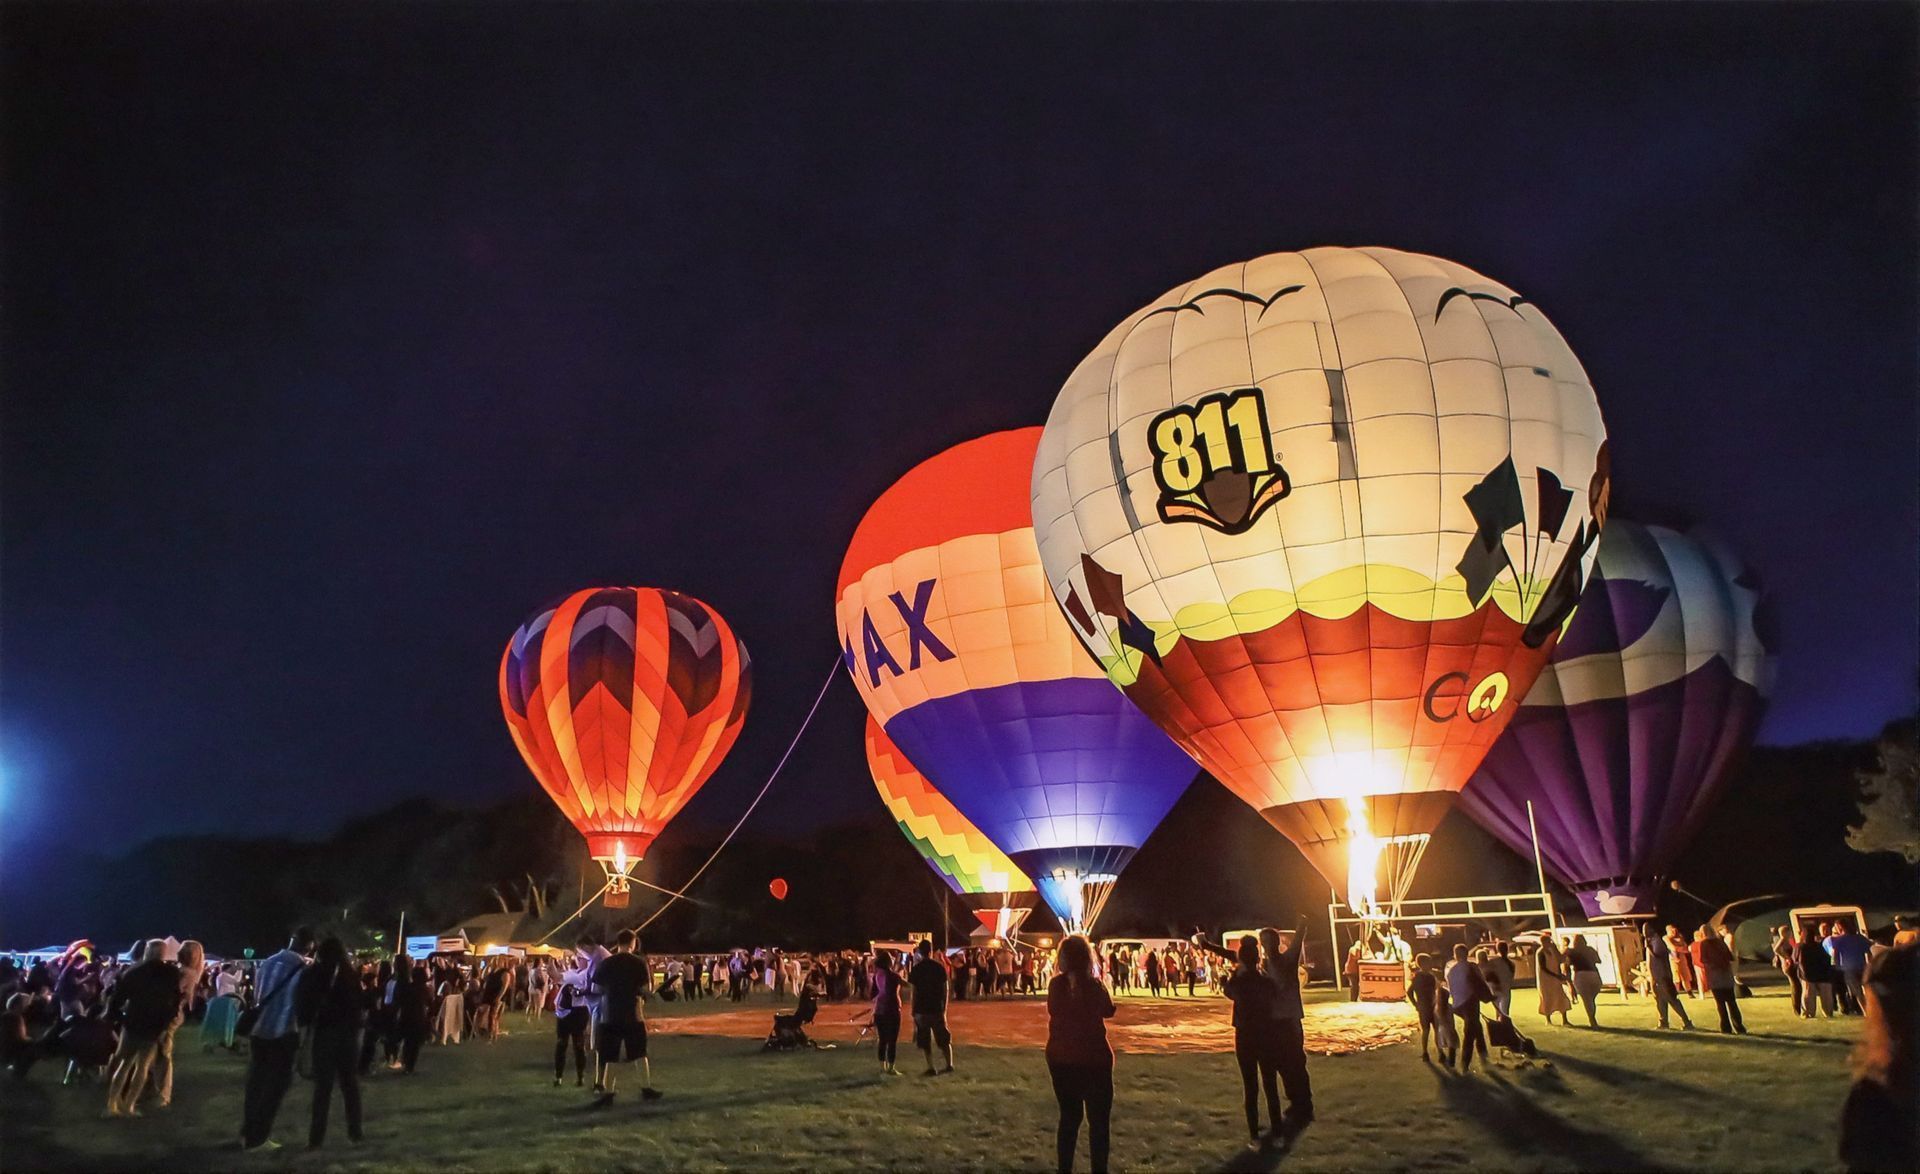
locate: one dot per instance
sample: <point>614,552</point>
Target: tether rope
<point>675,895</point>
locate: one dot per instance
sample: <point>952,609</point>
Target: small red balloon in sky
<point>778,887</point>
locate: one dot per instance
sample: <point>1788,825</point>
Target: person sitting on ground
<point>1877,1123</point>
<point>87,1040</point>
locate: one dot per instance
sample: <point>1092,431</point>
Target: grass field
<point>1624,1097</point>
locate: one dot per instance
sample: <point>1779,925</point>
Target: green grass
<point>1624,1097</point>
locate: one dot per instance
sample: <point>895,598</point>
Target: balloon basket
<point>618,892</point>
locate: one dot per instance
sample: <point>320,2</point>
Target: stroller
<point>1502,1034</point>
<point>790,1027</point>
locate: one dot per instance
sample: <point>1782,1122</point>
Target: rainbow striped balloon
<point>968,665</point>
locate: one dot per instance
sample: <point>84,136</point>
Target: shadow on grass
<point>801,1088</point>
<point>1707,1034</point>
<point>1639,1079</point>
<point>1520,1125</point>
<point>1266,1158</point>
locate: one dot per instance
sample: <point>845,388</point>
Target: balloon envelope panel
<point>963,657</point>
<point>1323,515</point>
<point>945,839</point>
<point>623,701</point>
<point>1627,741</point>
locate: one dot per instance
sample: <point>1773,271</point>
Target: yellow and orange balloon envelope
<point>623,701</point>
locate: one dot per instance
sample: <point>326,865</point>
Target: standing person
<point>493,997</point>
<point>929,979</point>
<point>1849,950</point>
<point>538,979</point>
<point>622,980</point>
<point>1715,963</point>
<point>571,1020</point>
<point>147,1000</point>
<point>223,1012</point>
<point>373,1001</point>
<point>1079,1059</point>
<point>1420,992</point>
<point>886,1010</point>
<point>1282,966</point>
<point>1550,967</point>
<point>1583,962</point>
<point>192,964</point>
<point>1660,973</point>
<point>1153,973</point>
<point>1466,990</point>
<point>412,1010</point>
<point>1783,962</point>
<point>1351,972</point>
<point>328,1002</point>
<point>1682,956</point>
<point>1498,971</point>
<point>1816,972</point>
<point>1876,1124</point>
<point>1905,933</point>
<point>1255,1037</point>
<point>274,1041</point>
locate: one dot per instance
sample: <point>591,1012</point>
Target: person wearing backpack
<point>274,1040</point>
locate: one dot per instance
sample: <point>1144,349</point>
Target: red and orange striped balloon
<point>623,701</point>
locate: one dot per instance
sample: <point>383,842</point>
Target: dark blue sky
<point>336,338</point>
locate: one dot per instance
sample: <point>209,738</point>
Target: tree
<point>1889,819</point>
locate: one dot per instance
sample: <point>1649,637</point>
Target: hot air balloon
<point>967,664</point>
<point>1322,515</point>
<point>777,887</point>
<point>1626,742</point>
<point>980,874</point>
<point>623,701</point>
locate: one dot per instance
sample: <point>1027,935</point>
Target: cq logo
<point>1448,690</point>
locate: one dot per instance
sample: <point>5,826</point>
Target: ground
<point>1623,1097</point>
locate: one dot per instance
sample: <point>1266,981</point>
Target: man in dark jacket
<point>146,999</point>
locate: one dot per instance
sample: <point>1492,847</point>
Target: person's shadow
<point>1518,1123</point>
<point>1266,1158</point>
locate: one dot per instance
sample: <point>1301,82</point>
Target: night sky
<point>337,338</point>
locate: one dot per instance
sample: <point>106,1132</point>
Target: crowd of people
<point>314,1008</point>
